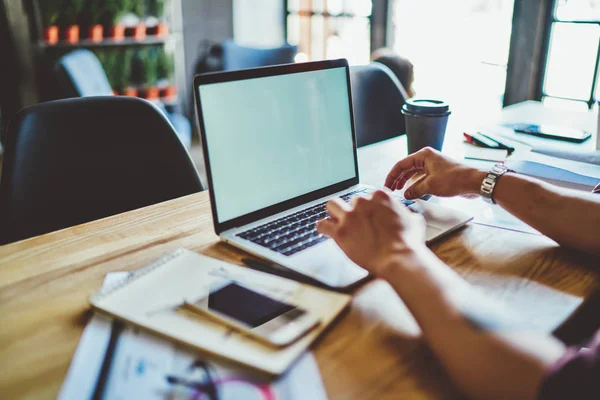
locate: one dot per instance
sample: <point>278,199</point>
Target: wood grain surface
<point>374,351</point>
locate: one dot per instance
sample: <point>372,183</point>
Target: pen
<point>274,269</point>
<point>480,140</point>
<point>115,332</point>
<point>487,141</point>
<point>502,145</point>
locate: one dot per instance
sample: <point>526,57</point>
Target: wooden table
<point>374,352</point>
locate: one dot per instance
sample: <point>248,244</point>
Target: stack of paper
<point>151,300</point>
<point>144,366</point>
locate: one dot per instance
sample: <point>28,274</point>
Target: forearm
<point>483,363</point>
<point>569,217</point>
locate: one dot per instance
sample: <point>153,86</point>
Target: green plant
<point>138,67</point>
<point>50,11</point>
<point>144,67</point>
<point>138,7</point>
<point>114,10</point>
<point>92,12</point>
<point>122,73</point>
<point>156,8</point>
<point>165,65</point>
<point>108,60</point>
<point>151,67</point>
<point>69,12</point>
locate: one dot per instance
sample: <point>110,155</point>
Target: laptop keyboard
<point>296,232</point>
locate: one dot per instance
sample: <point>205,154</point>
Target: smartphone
<point>553,132</point>
<point>258,315</point>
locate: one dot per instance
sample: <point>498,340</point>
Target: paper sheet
<point>142,362</point>
<point>556,175</point>
<point>481,153</point>
<point>526,313</point>
<point>588,157</point>
<point>486,214</point>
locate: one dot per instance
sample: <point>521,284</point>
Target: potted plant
<point>123,73</point>
<point>137,11</point>
<point>69,17</point>
<point>151,91</point>
<point>155,22</point>
<point>111,16</point>
<point>138,70</point>
<point>165,67</point>
<point>49,12</point>
<point>91,20</point>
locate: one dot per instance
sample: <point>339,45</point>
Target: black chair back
<point>72,161</point>
<point>377,98</point>
<point>237,57</point>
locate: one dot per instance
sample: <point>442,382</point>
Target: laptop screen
<point>275,138</point>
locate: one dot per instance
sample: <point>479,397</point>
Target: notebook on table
<point>151,299</point>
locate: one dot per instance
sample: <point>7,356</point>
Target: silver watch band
<point>489,182</point>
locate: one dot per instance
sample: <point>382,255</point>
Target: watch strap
<point>491,179</point>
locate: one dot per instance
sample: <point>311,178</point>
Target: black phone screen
<point>553,132</point>
<point>245,305</point>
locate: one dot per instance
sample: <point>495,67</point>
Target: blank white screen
<point>275,138</point>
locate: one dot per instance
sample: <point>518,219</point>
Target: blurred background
<point>478,55</point>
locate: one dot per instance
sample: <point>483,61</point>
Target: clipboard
<point>151,300</point>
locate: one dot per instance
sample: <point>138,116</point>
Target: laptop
<point>279,143</point>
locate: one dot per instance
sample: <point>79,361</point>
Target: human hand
<point>374,232</point>
<point>442,176</point>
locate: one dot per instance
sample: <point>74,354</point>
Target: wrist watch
<point>489,183</point>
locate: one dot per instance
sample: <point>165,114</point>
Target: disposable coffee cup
<point>426,122</point>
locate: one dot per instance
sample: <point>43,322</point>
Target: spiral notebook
<point>150,299</point>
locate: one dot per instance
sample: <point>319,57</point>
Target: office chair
<point>377,98</point>
<point>235,56</point>
<point>71,161</point>
<point>80,74</point>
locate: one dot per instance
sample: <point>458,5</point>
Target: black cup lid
<point>426,107</point>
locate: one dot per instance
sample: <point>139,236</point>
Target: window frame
<point>378,21</point>
<point>550,20</point>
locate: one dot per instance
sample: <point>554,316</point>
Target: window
<point>570,72</point>
<point>459,50</point>
<point>326,29</point>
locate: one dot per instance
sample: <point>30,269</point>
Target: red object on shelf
<point>137,32</point>
<point>130,91</point>
<point>152,93</point>
<point>51,34</point>
<point>140,31</point>
<point>162,29</point>
<point>169,91</point>
<point>117,32</point>
<point>72,34</point>
<point>96,33</point>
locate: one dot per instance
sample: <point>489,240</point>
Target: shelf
<point>128,41</point>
